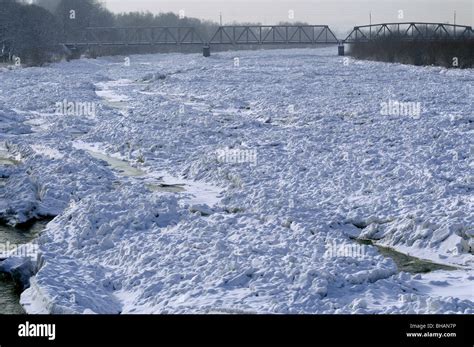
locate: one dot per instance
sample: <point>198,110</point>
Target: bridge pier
<point>206,51</point>
<point>340,49</point>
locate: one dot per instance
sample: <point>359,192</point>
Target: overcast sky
<point>341,14</point>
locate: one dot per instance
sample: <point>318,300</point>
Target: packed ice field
<point>239,183</point>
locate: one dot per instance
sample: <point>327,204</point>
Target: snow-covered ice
<point>321,165</point>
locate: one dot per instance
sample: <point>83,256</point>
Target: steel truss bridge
<point>266,35</point>
<point>274,34</point>
<point>409,32</point>
<point>224,35</point>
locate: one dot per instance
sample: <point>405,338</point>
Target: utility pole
<point>370,21</point>
<point>220,20</point>
<point>454,23</point>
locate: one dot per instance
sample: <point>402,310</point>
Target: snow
<point>459,284</point>
<point>241,236</point>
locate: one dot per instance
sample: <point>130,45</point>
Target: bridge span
<point>409,31</point>
<point>237,35</point>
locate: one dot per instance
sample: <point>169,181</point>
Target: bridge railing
<point>409,32</point>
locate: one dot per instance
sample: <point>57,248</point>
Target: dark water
<point>23,234</point>
<point>166,188</point>
<point>5,158</point>
<point>125,169</point>
<point>408,263</point>
<point>9,295</point>
<point>120,165</point>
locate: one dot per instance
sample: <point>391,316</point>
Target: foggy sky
<point>340,14</point>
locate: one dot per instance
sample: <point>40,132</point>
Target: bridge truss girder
<point>409,32</point>
<point>274,34</point>
<point>121,36</point>
<point>232,35</point>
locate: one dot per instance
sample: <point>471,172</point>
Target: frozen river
<point>239,182</point>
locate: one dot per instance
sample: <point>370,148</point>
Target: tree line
<point>32,33</point>
<point>391,48</point>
